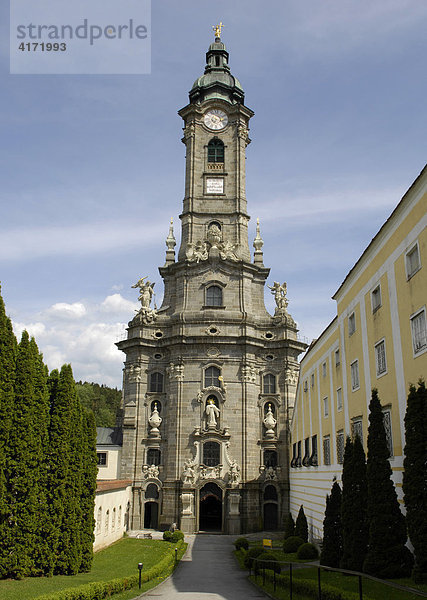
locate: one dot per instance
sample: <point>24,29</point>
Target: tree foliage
<point>289,526</point>
<point>354,506</point>
<point>102,400</point>
<point>415,478</point>
<point>47,464</point>
<point>332,529</point>
<point>301,525</point>
<point>387,554</point>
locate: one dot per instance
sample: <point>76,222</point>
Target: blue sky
<point>92,167</point>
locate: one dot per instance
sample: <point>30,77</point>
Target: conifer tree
<point>69,542</point>
<point>289,526</point>
<point>387,554</point>
<point>332,529</point>
<point>414,477</point>
<point>301,526</point>
<point>7,381</point>
<point>90,470</point>
<point>22,467</point>
<point>354,506</point>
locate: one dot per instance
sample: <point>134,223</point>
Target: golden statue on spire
<point>217,29</point>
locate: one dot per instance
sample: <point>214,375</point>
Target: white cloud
<point>117,304</point>
<point>63,309</point>
<point>35,330</point>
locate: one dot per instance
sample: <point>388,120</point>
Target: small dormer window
<point>215,151</point>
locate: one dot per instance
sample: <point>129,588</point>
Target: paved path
<point>208,571</point>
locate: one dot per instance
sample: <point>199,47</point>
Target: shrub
<point>167,536</point>
<point>291,544</point>
<point>289,526</point>
<point>176,536</point>
<point>241,543</point>
<point>307,551</point>
<point>309,588</point>
<point>252,553</point>
<point>301,525</point>
<point>266,560</point>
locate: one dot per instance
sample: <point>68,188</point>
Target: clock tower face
<point>215,119</point>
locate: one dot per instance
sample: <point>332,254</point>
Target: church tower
<point>210,376</point>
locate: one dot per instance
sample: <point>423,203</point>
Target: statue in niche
<point>279,292</point>
<point>212,413</point>
<point>214,235</point>
<point>234,472</point>
<point>188,474</point>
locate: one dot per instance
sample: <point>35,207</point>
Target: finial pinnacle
<point>217,29</point>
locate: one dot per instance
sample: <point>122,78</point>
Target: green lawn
<point>118,560</point>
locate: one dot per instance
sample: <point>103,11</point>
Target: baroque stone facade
<point>210,377</point>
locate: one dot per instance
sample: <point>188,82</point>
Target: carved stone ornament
<point>249,374</point>
<point>133,373</point>
<point>175,372</point>
<point>189,474</point>
<point>279,293</point>
<point>269,423</point>
<point>155,420</point>
<point>210,472</point>
<point>199,251</point>
<point>291,376</point>
<point>150,471</point>
<point>213,352</point>
<point>212,330</point>
<point>212,389</point>
<point>187,499</point>
<point>145,315</point>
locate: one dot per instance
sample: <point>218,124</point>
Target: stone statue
<point>279,293</point>
<point>214,236</point>
<point>146,291</point>
<point>188,474</point>
<point>155,421</point>
<point>197,252</point>
<point>150,471</point>
<point>228,250</point>
<point>212,412</point>
<point>234,472</point>
<point>270,473</point>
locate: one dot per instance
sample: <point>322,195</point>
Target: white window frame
<point>376,304</point>
<point>340,434</point>
<point>422,348</point>
<point>106,459</point>
<point>355,385</point>
<point>325,406</point>
<point>326,443</point>
<point>351,323</point>
<point>357,421</point>
<point>377,361</point>
<point>414,248</point>
<point>337,357</point>
<point>387,410</point>
<point>339,399</point>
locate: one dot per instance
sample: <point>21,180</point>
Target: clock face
<point>215,119</point>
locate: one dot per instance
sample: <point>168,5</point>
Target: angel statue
<point>279,293</point>
<point>146,291</point>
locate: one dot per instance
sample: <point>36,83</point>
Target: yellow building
<point>378,339</point>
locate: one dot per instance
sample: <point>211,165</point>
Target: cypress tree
<point>354,506</point>
<point>289,526</point>
<point>23,462</point>
<point>301,526</point>
<point>414,477</point>
<point>7,382</point>
<point>332,529</point>
<point>387,554</point>
<point>69,541</point>
<point>90,470</point>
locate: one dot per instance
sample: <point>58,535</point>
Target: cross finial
<point>217,29</point>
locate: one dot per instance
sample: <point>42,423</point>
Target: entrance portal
<point>151,510</point>
<point>270,516</point>
<point>210,517</point>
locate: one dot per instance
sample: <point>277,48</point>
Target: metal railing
<point>360,576</point>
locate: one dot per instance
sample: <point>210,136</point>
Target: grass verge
<point>117,561</point>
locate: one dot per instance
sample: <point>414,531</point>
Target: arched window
<point>215,151</point>
<point>214,296</point>
<point>107,522</point>
<point>270,458</point>
<point>152,492</point>
<point>211,454</point>
<point>270,493</point>
<point>156,382</point>
<point>269,384</point>
<point>119,524</point>
<point>153,456</point>
<point>99,520</point>
<point>113,520</point>
<point>212,376</point>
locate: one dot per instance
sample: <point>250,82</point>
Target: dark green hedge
<point>103,589</point>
